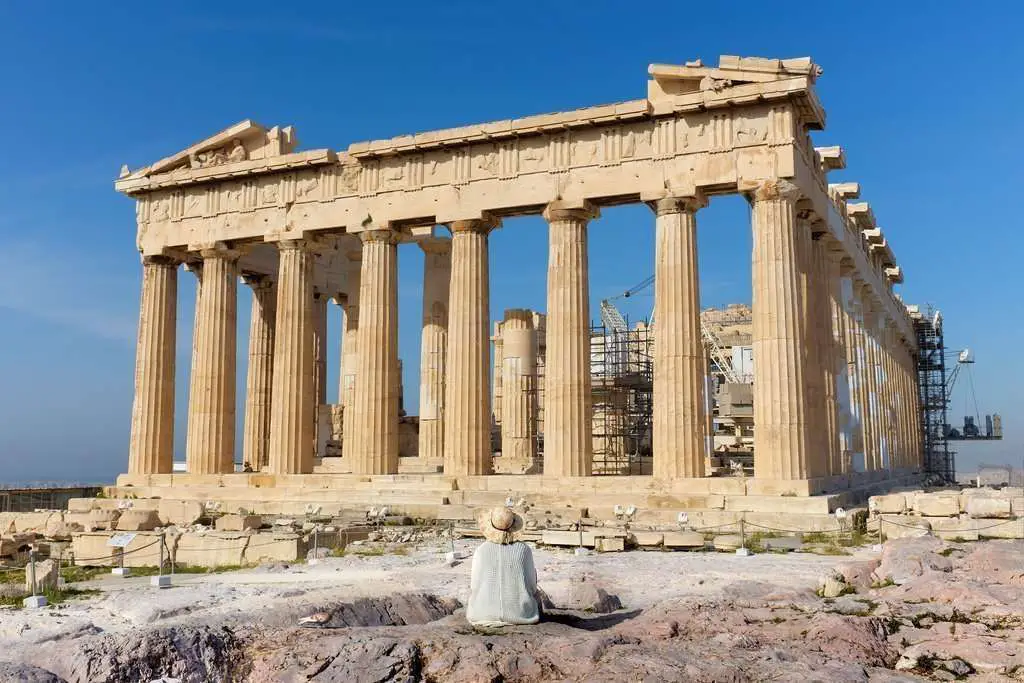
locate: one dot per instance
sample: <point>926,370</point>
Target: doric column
<point>151,449</point>
<point>291,410</point>
<point>319,349</point>
<point>780,403</point>
<point>437,272</point>
<point>844,443</point>
<point>349,348</point>
<point>260,376</point>
<point>814,421</point>
<point>679,363</point>
<point>872,437</point>
<point>831,454</point>
<point>855,365</point>
<point>568,447</point>
<point>496,378</point>
<point>467,424</point>
<point>519,386</point>
<point>210,447</point>
<point>374,436</point>
<point>891,397</point>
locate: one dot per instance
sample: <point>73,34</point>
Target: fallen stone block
<point>238,522</point>
<point>138,520</point>
<point>985,507</point>
<point>102,520</point>
<point>937,504</point>
<point>1006,528</point>
<point>892,504</point>
<point>727,542</point>
<point>832,585</point>
<point>902,526</point>
<point>179,513</point>
<point>857,573</point>
<point>647,539</point>
<point>955,528</point>
<point>786,543</point>
<point>47,575</point>
<point>683,539</point>
<point>605,544</point>
<point>572,538</point>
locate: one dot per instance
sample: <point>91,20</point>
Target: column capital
<point>678,204</point>
<point>161,261</point>
<point>219,250</point>
<point>522,315</point>
<point>559,210</point>
<point>436,245</point>
<point>777,188</point>
<point>379,235</point>
<point>481,225</point>
<point>257,280</point>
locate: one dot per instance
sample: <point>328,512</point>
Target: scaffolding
<point>931,374</point>
<point>621,372</point>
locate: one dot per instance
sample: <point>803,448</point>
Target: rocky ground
<point>919,609</point>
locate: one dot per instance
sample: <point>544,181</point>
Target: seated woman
<point>503,583</point>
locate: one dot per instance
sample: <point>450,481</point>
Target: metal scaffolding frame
<point>931,376</point>
<point>622,382</point>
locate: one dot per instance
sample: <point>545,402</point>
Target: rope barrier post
<point>580,550</point>
<point>160,580</point>
<point>450,557</point>
<point>315,559</point>
<point>34,600</point>
<point>743,550</point>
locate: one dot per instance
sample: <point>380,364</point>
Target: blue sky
<point>924,97</point>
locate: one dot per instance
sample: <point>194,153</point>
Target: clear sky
<point>925,98</point>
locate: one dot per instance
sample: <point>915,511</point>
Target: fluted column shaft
<point>814,422</point>
<point>842,463</point>
<point>210,447</point>
<point>319,349</point>
<point>890,394</point>
<point>437,272</point>
<point>151,449</point>
<point>826,462</point>
<point>291,423</point>
<point>568,447</point>
<point>874,438</point>
<point>349,350</point>
<point>260,375</point>
<point>467,424</point>
<point>519,386</point>
<point>855,363</point>
<point>779,337</point>
<point>374,437</point>
<point>679,415</point>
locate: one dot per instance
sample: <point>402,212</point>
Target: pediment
<point>244,141</point>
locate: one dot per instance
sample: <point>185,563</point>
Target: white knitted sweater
<point>503,586</point>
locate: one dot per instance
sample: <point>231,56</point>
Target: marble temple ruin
<point>835,402</point>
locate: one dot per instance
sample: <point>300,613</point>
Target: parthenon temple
<point>509,400</point>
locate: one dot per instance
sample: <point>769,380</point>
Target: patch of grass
<point>53,596</point>
<point>817,537</point>
<point>365,551</point>
<point>400,550</point>
<point>885,583</point>
<point>826,550</point>
<point>778,620</point>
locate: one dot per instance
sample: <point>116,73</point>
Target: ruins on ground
<point>827,404</point>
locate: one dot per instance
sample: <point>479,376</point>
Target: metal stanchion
<point>743,550</point>
<point>161,580</point>
<point>33,600</point>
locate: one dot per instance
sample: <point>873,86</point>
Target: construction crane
<point>614,321</point>
<point>972,427</point>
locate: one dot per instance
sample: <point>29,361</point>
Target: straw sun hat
<point>500,525</point>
